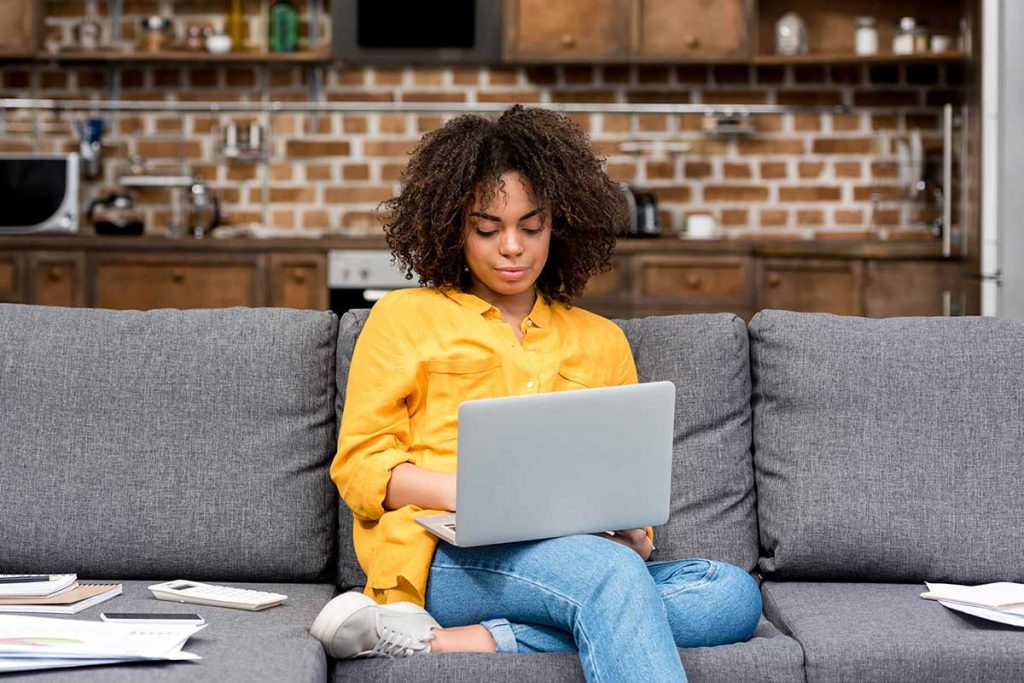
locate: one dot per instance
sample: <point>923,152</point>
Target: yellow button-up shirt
<point>420,354</point>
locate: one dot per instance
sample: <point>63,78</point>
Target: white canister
<point>218,42</point>
<point>865,37</point>
<point>941,43</point>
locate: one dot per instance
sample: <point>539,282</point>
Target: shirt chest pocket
<point>574,375</point>
<point>450,382</point>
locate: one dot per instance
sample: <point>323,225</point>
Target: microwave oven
<point>39,193</point>
<point>413,32</point>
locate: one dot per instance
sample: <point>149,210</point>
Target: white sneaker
<point>353,625</point>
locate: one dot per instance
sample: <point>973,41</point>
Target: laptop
<point>561,463</point>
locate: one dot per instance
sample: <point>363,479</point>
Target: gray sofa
<point>843,460</point>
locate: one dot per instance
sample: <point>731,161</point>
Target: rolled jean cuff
<point>501,631</point>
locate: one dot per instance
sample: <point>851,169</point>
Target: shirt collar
<point>540,314</point>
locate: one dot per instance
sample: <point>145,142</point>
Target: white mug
<point>701,225</point>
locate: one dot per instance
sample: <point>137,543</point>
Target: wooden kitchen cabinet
<point>568,30</point>
<point>667,284</point>
<point>899,288</point>
<point>810,285</point>
<point>147,281</point>
<point>298,281</point>
<point>683,30</point>
<point>12,270</point>
<point>20,27</point>
<point>57,278</point>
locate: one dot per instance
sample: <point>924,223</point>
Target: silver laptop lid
<point>567,462</point>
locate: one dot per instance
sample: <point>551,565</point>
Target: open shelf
<point>247,56</point>
<point>848,58</point>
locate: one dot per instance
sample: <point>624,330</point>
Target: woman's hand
<point>633,538</point>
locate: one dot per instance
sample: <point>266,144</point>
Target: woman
<point>504,222</point>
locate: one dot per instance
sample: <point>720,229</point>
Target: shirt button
<point>529,323</point>
<point>529,385</point>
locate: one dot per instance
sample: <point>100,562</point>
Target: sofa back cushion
<point>713,507</point>
<point>168,443</point>
<point>889,450</point>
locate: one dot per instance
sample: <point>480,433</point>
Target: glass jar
<point>865,37</point>
<point>903,39</point>
<point>156,33</point>
<point>921,38</point>
<point>284,27</point>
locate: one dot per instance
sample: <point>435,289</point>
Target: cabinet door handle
<point>53,274</point>
<point>298,277</point>
<point>693,281</point>
<point>774,280</point>
<point>691,41</point>
<point>178,275</point>
<point>568,40</point>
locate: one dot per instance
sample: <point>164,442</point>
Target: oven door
<point>359,277</point>
<point>39,193</point>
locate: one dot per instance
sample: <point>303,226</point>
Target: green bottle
<point>284,27</point>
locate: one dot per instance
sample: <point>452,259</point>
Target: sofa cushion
<point>706,356</point>
<point>885,632</point>
<point>170,443</point>
<point>271,645</point>
<point>889,450</point>
<point>768,657</point>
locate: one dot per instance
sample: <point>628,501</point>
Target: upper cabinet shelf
<point>849,58</point>
<point>306,56</point>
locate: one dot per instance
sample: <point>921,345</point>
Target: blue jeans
<point>624,616</point>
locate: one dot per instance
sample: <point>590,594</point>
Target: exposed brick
<point>541,75</point>
<point>350,76</point>
<point>885,98</point>
<point>616,73</point>
<point>318,172</point>
<point>317,125</point>
<point>391,171</point>
<point>731,74</point>
<point>885,169</point>
<point>316,218</point>
<point>691,73</point>
<point>769,123</point>
<point>384,76</point>
<point>884,74</point>
<point>421,76</point>
<point>282,219</point>
<point>466,76</point>
<point>773,169</point>
<point>737,97</point>
<point>578,74</point>
<point>596,96</point>
<point>937,98</point>
<point>584,121</point>
<point>771,146</point>
<point>625,172</point>
<point>133,78</point>
<point>697,169</point>
<point>354,123</point>
<point>653,73</point>
<point>810,169</point>
<point>169,149</point>
<point>734,217</point>
<point>660,170</point>
<point>317,148</point>
<point>922,121</point>
<point>388,148</point>
<point>391,123</point>
<point>690,122</point>
<point>845,74</point>
<point>359,219</point>
<point>239,77</point>
<point>502,76</point>
<point>805,122</point>
<point>656,97</point>
<point>420,96</point>
<point>735,170</point>
<point>91,78</point>
<point>884,122</point>
<point>922,74</point>
<point>809,73</point>
<point>428,123</point>
<point>202,78</point>
<point>615,123</point>
<point>955,74</point>
<point>129,126</point>
<point>808,98</point>
<point>672,194</point>
<point>652,123</point>
<point>521,96</point>
<point>810,217</point>
<point>846,169</point>
<point>865,193</point>
<point>355,172</point>
<point>735,193</point>
<point>809,193</point>
<point>53,80</point>
<point>284,76</point>
<point>770,74</point>
<point>292,195</point>
<point>354,195</point>
<point>281,172</point>
<point>774,217</point>
<point>168,125</point>
<point>846,122</point>
<point>241,172</point>
<point>849,217</point>
<point>886,217</point>
<point>845,146</point>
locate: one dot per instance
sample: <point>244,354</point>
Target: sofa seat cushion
<point>768,657</point>
<point>886,632</point>
<point>182,443</point>
<point>271,645</point>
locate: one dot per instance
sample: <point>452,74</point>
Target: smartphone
<point>152,618</point>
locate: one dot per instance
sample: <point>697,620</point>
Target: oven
<point>39,193</point>
<point>359,277</point>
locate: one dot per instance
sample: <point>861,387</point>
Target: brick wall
<point>820,171</point>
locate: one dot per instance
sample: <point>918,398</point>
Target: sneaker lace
<point>392,644</point>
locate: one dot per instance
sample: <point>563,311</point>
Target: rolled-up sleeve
<point>375,429</point>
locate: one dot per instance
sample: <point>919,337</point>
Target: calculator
<point>198,593</point>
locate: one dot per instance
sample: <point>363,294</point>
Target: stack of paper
<point>52,593</point>
<point>28,643</point>
<point>1002,602</point>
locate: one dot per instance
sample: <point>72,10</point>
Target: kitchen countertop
<point>768,245</point>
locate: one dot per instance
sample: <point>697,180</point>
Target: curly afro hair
<point>466,158</point>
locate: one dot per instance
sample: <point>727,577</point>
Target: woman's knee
<point>741,596</point>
